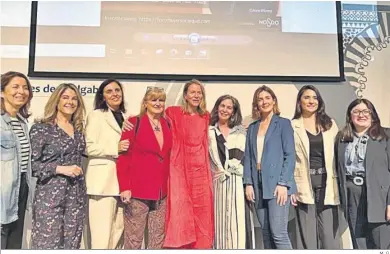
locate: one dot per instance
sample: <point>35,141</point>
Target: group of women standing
<point>187,175</point>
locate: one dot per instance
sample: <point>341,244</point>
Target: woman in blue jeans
<point>269,168</point>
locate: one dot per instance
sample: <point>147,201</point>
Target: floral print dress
<point>59,206</point>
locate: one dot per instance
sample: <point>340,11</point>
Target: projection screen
<point>230,40</point>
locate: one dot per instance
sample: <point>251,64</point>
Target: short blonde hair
<point>51,109</point>
<point>202,106</point>
<point>152,93</point>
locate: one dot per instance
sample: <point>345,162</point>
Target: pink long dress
<point>190,215</point>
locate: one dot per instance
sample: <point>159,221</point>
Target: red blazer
<point>144,168</point>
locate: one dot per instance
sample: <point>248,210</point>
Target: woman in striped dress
<point>227,145</point>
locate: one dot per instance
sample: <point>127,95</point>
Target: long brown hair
<point>376,131</point>
<point>6,78</point>
<point>255,109</point>
<point>202,106</point>
<point>51,109</point>
<point>323,121</point>
<point>235,119</point>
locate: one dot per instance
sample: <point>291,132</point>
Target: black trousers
<point>317,227</point>
<point>365,235</point>
<point>12,233</point>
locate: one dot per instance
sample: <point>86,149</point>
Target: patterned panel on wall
<point>357,54</point>
<point>355,18</point>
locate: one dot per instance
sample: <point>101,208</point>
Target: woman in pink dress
<point>190,215</point>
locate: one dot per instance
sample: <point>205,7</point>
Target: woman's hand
<point>71,171</point>
<point>217,174</point>
<point>127,126</point>
<point>123,145</point>
<point>293,199</point>
<point>281,195</point>
<point>388,213</point>
<point>126,196</point>
<point>250,193</point>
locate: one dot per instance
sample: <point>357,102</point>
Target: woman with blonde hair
<point>143,170</point>
<point>58,144</point>
<point>190,213</point>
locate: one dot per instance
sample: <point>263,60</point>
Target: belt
<point>317,171</point>
<point>357,179</point>
<point>151,204</point>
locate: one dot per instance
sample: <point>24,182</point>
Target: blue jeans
<point>273,219</point>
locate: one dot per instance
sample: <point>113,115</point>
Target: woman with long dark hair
<point>363,167</point>
<point>317,198</point>
<point>102,133</point>
<point>16,94</point>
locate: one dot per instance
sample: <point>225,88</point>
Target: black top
<point>316,151</point>
<point>118,117</point>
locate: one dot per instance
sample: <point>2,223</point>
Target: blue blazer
<point>278,158</point>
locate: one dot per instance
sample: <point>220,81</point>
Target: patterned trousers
<point>136,215</point>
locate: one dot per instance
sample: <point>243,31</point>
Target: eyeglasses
<point>155,87</point>
<point>364,112</point>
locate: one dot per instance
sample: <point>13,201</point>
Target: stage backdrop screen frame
<point>179,77</point>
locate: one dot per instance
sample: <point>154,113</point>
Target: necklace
<point>156,127</point>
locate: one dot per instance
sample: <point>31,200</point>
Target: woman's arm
<point>94,145</point>
<point>123,163</point>
<point>41,168</point>
<point>213,151</point>
<point>247,159</point>
<point>288,145</point>
<point>388,166</point>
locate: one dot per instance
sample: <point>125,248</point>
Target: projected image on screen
<point>264,38</point>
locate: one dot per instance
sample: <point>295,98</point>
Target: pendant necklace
<point>156,128</point>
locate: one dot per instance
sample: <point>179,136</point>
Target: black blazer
<point>377,165</point>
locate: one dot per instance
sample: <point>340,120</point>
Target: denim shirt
<point>355,153</point>
<point>11,170</point>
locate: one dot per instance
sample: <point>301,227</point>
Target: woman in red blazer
<point>143,172</point>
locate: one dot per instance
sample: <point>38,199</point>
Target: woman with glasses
<point>363,167</point>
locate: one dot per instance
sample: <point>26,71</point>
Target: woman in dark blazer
<point>269,168</point>
<point>142,173</point>
<point>363,167</point>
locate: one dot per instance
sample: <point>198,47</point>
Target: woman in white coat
<point>103,132</point>
<point>227,138</point>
